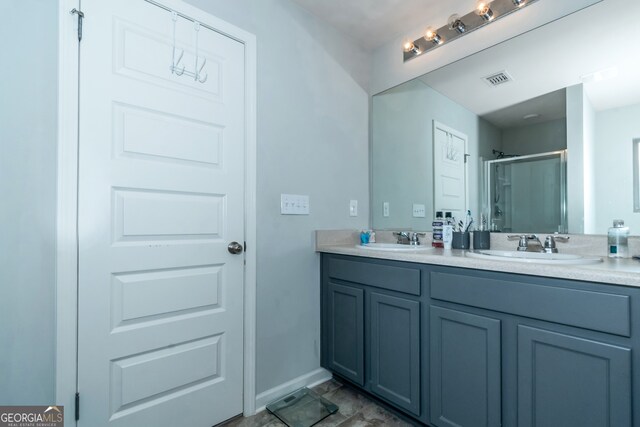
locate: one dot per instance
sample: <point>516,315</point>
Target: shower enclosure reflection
<point>527,193</point>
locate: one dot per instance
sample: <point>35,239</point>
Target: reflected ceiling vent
<point>497,79</point>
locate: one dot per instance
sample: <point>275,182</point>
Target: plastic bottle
<point>447,236</point>
<point>437,230</point>
<point>618,237</point>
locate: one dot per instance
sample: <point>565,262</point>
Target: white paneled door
<point>449,171</point>
<point>161,196</point>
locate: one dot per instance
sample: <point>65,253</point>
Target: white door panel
<point>449,171</point>
<point>161,196</point>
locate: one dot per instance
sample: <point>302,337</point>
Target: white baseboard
<point>310,379</point>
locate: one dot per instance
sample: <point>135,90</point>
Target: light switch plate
<point>385,209</point>
<point>353,208</point>
<point>419,210</point>
<point>294,204</point>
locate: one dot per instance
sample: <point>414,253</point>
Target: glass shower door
<point>528,193</point>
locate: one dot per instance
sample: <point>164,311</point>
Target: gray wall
<point>312,139</point>
<point>581,161</point>
<point>615,131</point>
<point>28,192</point>
<point>575,159</point>
<point>402,152</point>
<point>535,138</point>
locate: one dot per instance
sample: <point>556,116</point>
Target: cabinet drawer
<point>400,279</point>
<point>597,311</point>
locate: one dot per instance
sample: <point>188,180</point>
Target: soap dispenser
<point>618,237</point>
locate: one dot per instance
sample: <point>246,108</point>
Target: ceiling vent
<point>497,79</point>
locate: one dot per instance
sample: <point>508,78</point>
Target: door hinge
<point>245,246</point>
<point>466,156</point>
<point>80,20</point>
<point>77,406</point>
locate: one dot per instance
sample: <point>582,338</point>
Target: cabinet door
<point>345,334</point>
<point>568,381</point>
<point>465,369</point>
<point>395,350</point>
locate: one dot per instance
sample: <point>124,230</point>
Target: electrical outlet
<point>294,204</point>
<point>353,208</point>
<point>385,209</point>
<point>419,211</point>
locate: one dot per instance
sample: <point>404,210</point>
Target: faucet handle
<point>550,241</point>
<point>523,240</point>
<point>414,239</point>
<point>402,235</point>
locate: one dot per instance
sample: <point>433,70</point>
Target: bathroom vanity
<point>457,345</point>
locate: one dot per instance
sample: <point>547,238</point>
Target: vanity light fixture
<point>455,23</point>
<point>432,36</point>
<point>486,11</point>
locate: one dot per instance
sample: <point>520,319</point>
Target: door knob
<point>235,248</point>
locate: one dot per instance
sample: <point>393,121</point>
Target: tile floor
<point>356,410</point>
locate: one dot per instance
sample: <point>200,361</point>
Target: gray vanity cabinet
<point>569,381</point>
<point>465,369</point>
<point>473,348</point>
<point>345,331</point>
<point>395,349</point>
<point>385,355</point>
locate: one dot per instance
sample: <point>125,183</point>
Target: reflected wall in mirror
<point>570,90</point>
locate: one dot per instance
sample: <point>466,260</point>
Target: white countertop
<point>612,271</point>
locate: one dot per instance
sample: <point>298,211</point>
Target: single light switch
<point>419,210</point>
<point>353,208</point>
<point>385,209</point>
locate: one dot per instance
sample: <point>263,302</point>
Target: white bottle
<point>447,236</point>
<point>618,237</point>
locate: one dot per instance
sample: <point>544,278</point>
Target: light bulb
<point>409,46</point>
<point>483,9</point>
<point>456,24</point>
<point>431,35</point>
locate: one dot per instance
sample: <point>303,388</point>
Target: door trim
<point>67,202</point>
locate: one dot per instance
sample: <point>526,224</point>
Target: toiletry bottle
<point>447,236</point>
<point>618,240</point>
<point>372,236</point>
<point>437,230</point>
<point>364,237</point>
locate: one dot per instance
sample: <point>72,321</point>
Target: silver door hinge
<point>77,406</point>
<point>80,14</point>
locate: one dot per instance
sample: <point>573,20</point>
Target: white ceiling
<point>373,23</point>
<point>548,107</point>
<point>553,57</point>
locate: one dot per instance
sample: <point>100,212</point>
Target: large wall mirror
<point>546,146</point>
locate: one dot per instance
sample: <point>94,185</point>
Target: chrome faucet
<point>523,241</point>
<point>408,237</point>
<point>549,245</point>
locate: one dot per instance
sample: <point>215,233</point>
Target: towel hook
<point>175,65</point>
<point>198,69</point>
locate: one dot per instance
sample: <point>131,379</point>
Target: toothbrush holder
<point>461,240</point>
<point>481,240</point>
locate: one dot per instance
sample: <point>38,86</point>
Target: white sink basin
<point>394,247</point>
<point>534,257</point>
